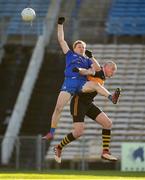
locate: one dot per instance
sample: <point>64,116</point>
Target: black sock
<point>106,137</point>
<point>66,140</point>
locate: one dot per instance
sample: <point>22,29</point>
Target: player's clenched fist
<point>61,20</point>
<point>89,53</point>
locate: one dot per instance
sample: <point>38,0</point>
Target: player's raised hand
<point>89,53</point>
<point>61,20</point>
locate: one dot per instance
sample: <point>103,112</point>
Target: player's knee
<point>108,125</point>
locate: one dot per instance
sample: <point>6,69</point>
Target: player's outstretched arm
<point>96,65</point>
<point>60,35</point>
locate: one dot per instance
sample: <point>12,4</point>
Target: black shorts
<point>79,109</point>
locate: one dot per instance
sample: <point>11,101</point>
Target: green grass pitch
<point>71,175</point>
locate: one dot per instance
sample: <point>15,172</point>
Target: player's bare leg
<point>78,129</point>
<point>62,100</point>
<point>91,87</point>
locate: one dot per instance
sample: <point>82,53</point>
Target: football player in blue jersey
<point>75,82</point>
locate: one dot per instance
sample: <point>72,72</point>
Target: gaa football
<point>28,14</point>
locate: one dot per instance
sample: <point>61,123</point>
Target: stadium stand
<point>126,18</point>
<point>12,71</point>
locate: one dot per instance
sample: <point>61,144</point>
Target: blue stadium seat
<point>126,18</point>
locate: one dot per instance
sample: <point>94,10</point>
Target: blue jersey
<point>76,60</point>
<point>74,82</point>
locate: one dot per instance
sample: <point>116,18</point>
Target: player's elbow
<point>61,41</point>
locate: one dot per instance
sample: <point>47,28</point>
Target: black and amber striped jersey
<point>99,77</point>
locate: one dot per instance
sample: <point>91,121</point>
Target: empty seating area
<point>128,115</point>
<point>12,11</point>
<point>126,18</point>
<point>12,71</point>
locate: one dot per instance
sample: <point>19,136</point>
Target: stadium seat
<point>126,18</point>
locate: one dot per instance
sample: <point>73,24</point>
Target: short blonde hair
<point>78,42</point>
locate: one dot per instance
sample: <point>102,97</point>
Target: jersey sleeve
<point>69,54</point>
